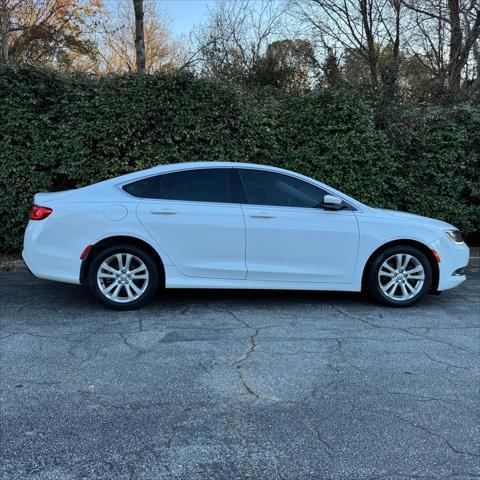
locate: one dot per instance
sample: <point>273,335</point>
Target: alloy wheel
<point>122,277</point>
<point>401,277</point>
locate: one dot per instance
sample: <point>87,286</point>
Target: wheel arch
<point>413,243</point>
<point>116,239</point>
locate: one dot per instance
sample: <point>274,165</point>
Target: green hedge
<point>59,132</point>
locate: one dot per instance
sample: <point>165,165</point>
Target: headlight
<point>455,235</point>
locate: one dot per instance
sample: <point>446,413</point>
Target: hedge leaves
<point>59,132</point>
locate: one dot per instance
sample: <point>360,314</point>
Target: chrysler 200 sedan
<point>233,225</point>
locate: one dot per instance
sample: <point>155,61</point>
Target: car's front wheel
<point>400,276</point>
<point>123,277</point>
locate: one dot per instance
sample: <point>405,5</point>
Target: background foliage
<point>61,131</point>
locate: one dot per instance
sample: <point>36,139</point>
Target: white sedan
<point>234,225</point>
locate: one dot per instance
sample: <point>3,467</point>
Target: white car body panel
<point>202,239</point>
<point>452,256</point>
<point>300,244</point>
<point>52,250</point>
<point>174,279</point>
<point>213,245</point>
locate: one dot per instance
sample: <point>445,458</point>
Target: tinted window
<point>203,185</point>
<point>269,188</point>
<point>146,188</point>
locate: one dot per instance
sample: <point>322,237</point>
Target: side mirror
<point>331,202</point>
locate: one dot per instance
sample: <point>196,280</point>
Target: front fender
<point>377,232</point>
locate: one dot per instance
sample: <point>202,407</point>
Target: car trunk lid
<point>44,198</point>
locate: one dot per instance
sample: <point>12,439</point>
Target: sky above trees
<point>185,14</point>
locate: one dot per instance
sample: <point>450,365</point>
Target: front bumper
<point>453,258</point>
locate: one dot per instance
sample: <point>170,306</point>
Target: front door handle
<point>164,211</point>
<point>262,215</point>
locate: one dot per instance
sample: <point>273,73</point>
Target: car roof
<point>209,163</point>
<point>171,167</point>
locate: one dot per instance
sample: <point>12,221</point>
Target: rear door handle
<point>164,211</point>
<point>262,215</point>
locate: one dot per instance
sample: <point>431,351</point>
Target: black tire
<point>374,283</point>
<point>151,285</point>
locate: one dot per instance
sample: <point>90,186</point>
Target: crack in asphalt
<point>252,345</point>
<point>400,329</point>
<point>138,350</point>
<point>397,416</point>
<point>447,364</point>
<point>238,365</point>
<point>175,426</point>
<point>327,448</point>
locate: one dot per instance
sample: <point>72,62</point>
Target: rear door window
<point>202,185</point>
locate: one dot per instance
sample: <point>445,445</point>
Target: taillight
<point>39,213</point>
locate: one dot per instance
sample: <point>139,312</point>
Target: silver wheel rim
<point>401,277</point>
<point>122,278</point>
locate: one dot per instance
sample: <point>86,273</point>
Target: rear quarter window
<point>145,188</point>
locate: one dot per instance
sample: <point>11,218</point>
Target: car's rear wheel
<point>400,276</point>
<point>123,277</point>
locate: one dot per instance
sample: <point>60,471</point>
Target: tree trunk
<point>372,54</point>
<point>459,57</point>
<point>456,43</point>
<point>476,56</point>
<point>4,28</point>
<point>394,67</point>
<point>139,36</point>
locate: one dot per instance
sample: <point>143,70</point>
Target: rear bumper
<point>26,265</point>
<point>50,252</point>
<point>452,258</point>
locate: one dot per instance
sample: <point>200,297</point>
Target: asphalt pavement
<point>237,384</point>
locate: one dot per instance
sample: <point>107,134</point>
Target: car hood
<point>395,214</point>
